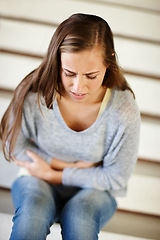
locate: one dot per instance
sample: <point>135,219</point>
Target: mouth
<point>78,95</point>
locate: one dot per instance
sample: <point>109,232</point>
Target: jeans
<point>80,212</point>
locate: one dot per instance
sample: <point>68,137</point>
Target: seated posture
<point>73,128</point>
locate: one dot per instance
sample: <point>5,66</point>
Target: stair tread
<point>23,9</point>
<point>20,66</point>
<point>143,195</point>
<point>6,225</point>
<point>13,39</point>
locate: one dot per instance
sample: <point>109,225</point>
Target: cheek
<point>65,82</point>
<point>96,84</point>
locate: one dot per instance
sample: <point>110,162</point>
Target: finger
<point>20,163</point>
<point>84,163</point>
<point>32,155</point>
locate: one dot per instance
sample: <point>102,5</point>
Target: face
<point>82,75</point>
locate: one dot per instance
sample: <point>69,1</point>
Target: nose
<point>78,84</point>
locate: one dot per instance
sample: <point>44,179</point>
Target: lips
<point>78,95</point>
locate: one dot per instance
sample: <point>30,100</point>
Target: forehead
<point>85,60</point>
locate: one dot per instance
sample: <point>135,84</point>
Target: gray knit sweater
<point>112,139</point>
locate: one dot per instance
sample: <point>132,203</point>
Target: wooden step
<point>123,223</point>
<point>142,5</point>
<point>130,22</point>
<point>8,169</point>
<point>29,31</point>
<point>143,195</point>
<point>133,224</point>
<point>149,144</point>
<point>15,67</point>
<point>147,92</point>
<point>5,99</point>
<point>18,68</point>
<point>35,40</point>
<point>147,167</point>
<point>6,225</point>
<point>22,65</point>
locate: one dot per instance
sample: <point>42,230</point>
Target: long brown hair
<point>77,33</point>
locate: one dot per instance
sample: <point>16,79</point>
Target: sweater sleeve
<point>27,134</point>
<point>118,162</point>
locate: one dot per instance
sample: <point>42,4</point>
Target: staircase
<point>26,28</point>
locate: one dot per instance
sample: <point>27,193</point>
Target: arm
<point>118,162</point>
<point>40,168</point>
<point>50,173</point>
<point>61,165</point>
<point>28,132</point>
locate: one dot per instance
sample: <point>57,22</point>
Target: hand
<point>83,164</point>
<point>60,165</point>
<point>40,168</point>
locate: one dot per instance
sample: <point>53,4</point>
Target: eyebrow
<point>83,74</point>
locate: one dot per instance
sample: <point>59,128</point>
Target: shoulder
<point>30,102</point>
<point>31,98</point>
<point>35,105</point>
<point>31,110</point>
<point>121,98</point>
<point>124,106</point>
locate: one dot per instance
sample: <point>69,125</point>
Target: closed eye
<point>91,77</point>
<point>69,74</point>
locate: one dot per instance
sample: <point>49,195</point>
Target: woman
<point>73,127</point>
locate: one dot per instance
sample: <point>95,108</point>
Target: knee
<point>31,193</point>
<point>79,219</point>
<point>25,228</point>
<point>86,213</point>
<point>36,206</point>
<point>32,220</point>
<point>77,227</point>
<point>35,209</point>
